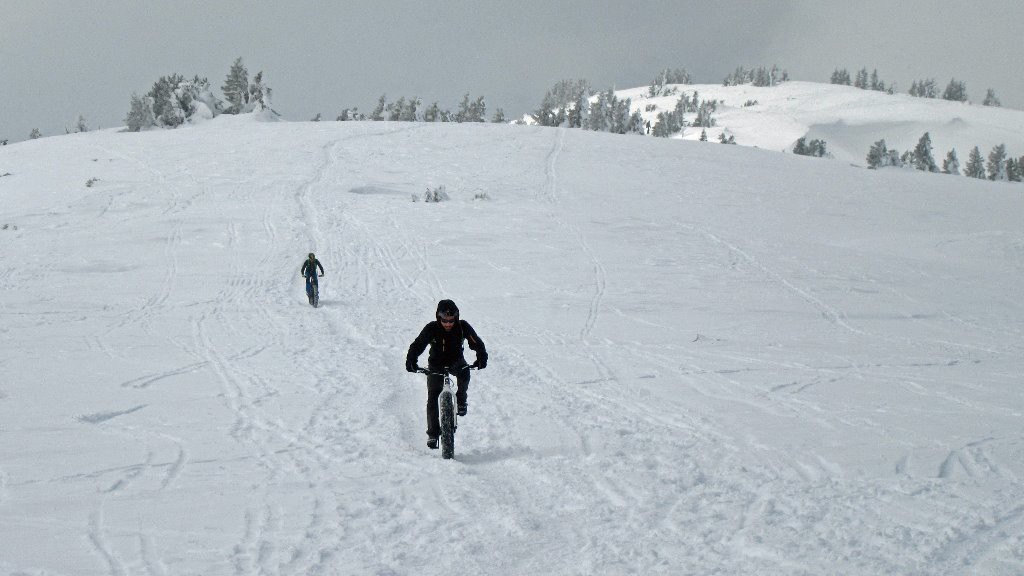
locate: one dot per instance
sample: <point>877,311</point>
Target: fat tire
<point>447,418</point>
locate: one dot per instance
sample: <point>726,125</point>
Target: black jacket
<point>446,346</point>
<point>309,268</point>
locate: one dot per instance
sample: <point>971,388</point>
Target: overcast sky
<point>63,58</point>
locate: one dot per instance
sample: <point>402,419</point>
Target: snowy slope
<point>702,361</point>
<point>849,119</point>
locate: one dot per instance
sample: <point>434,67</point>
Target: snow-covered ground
<point>704,359</point>
<point>848,119</point>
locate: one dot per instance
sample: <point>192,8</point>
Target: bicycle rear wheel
<point>447,417</point>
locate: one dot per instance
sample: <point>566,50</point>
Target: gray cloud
<point>62,58</point>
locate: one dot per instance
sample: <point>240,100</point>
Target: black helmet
<point>447,308</point>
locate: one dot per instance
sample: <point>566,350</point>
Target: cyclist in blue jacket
<point>445,336</point>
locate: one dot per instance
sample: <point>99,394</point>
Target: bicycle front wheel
<point>447,417</point>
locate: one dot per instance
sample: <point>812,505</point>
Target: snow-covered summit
<point>849,119</point>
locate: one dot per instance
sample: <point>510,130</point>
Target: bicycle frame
<point>449,418</point>
<point>314,291</point>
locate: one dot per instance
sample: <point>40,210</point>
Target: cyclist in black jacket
<point>445,336</point>
<point>309,267</point>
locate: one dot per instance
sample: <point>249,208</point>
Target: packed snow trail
<point>700,361</point>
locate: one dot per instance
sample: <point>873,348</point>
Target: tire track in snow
<point>599,272</point>
<point>829,313</point>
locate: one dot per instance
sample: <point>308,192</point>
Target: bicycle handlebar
<point>445,372</point>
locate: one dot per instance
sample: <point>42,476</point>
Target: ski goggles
<point>446,319</point>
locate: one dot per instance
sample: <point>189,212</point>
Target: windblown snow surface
<point>704,359</point>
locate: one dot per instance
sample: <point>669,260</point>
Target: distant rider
<point>309,271</point>
<point>445,336</point>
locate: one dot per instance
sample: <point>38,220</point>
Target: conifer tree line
<point>862,80</point>
<point>814,148</point>
<point>574,104</point>
<point>1000,166</point>
<point>412,110</point>
<point>174,100</point>
<point>760,76</point>
<point>568,104</point>
<point>662,85</point>
<point>955,91</point>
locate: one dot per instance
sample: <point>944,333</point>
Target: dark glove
<point>411,366</point>
<point>481,362</point>
<point>321,275</point>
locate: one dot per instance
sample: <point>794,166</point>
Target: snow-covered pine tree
<point>841,77</point>
<point>582,111</point>
<point>236,88</point>
<point>499,117</point>
<point>800,148</point>
<point>394,109</point>
<point>955,91</point>
<point>740,76</point>
<point>667,76</point>
<point>996,167</point>
<point>924,88</point>
<point>677,76</point>
<point>923,159</point>
<point>463,115</point>
<point>975,165</point>
<point>636,123</point>
<point>166,106</point>
<point>465,110</point>
<point>951,165</point>
<point>259,95</point>
<point>543,114</point>
<point>559,99</point>
<point>668,123</point>
<point>350,114</point>
<point>621,116</point>
<point>432,113</point>
<point>1013,170</point>
<point>35,134</point>
<point>705,114</point>
<point>663,125</point>
<point>878,155</point>
<point>411,111</point>
<point>478,110</point>
<point>692,103</point>
<point>893,156</point>
<point>876,84</point>
<point>140,113</point>
<point>598,118</point>
<point>378,112</point>
<point>703,135</point>
<point>990,99</point>
<point>862,79</point>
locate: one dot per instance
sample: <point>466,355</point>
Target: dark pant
<point>310,283</point>
<point>434,386</point>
